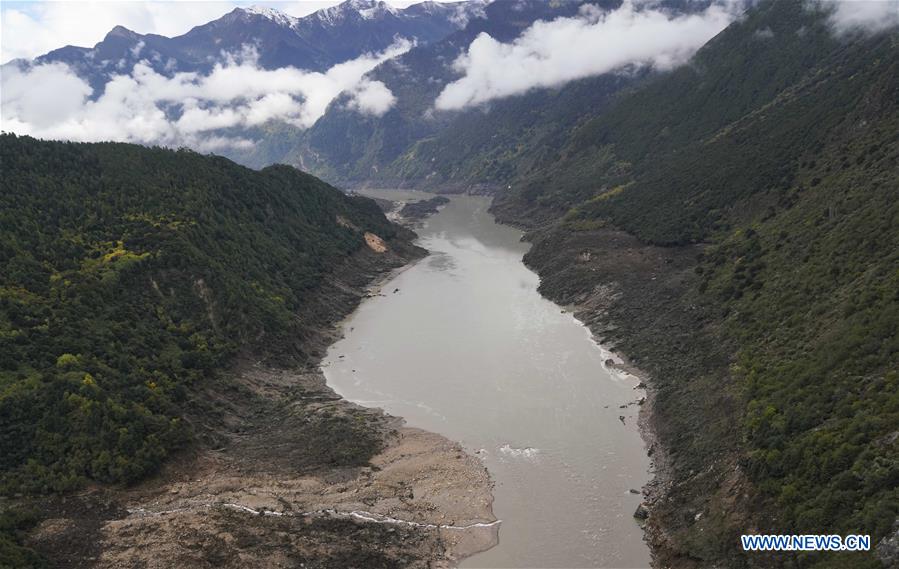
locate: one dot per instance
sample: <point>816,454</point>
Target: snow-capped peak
<point>276,16</point>
<point>375,9</point>
<point>367,9</point>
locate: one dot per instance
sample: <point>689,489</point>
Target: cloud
<point>30,29</point>
<point>372,98</point>
<point>61,94</point>
<point>549,54</point>
<point>136,49</point>
<point>51,101</point>
<point>867,16</point>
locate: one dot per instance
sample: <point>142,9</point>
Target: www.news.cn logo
<point>806,542</point>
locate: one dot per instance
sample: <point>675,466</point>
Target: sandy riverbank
<point>245,506</point>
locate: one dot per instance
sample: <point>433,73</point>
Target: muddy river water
<point>462,344</point>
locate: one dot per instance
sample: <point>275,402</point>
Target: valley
<point>489,283</point>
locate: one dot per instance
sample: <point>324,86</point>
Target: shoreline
<point>660,477</point>
<point>635,299</point>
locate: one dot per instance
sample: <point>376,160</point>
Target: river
<point>462,344</point>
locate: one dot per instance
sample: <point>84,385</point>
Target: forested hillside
<point>745,117</point>
<point>776,152</point>
<point>130,275</point>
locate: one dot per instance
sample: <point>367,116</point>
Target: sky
<point>29,29</point>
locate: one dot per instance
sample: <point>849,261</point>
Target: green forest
<point>130,275</point>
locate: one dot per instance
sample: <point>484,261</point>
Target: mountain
<point>733,83</point>
<point>731,226</point>
<point>411,141</point>
<point>341,147</point>
<point>476,148</point>
<point>360,26</point>
<point>315,42</point>
<point>134,275</point>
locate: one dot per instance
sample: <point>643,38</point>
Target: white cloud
<point>764,34</point>
<point>372,98</point>
<point>552,53</point>
<point>136,49</point>
<point>50,101</point>
<point>61,95</point>
<point>32,29</point>
<point>870,16</point>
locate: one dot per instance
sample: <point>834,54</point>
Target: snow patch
<point>276,16</point>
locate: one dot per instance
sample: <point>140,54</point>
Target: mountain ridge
<point>314,42</point>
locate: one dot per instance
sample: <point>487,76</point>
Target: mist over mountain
<point>337,93</point>
<point>313,43</point>
<point>254,83</point>
<point>250,67</point>
<point>712,187</point>
<point>345,147</point>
